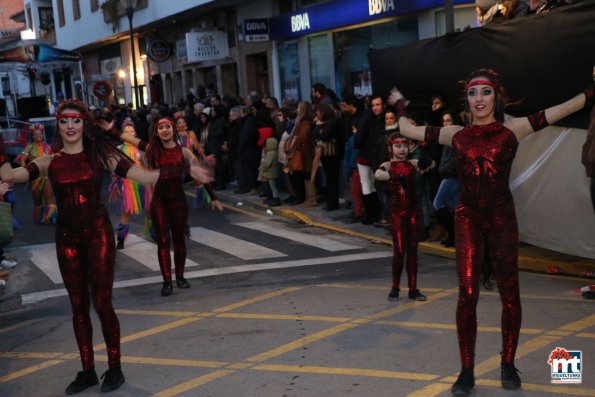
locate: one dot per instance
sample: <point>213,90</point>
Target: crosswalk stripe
<point>323,243</point>
<point>145,252</point>
<point>231,245</point>
<point>42,295</point>
<point>44,257</point>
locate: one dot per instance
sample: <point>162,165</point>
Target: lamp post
<point>130,4</point>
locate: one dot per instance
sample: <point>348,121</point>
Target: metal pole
<point>84,95</point>
<point>130,14</point>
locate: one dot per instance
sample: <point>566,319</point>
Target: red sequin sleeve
<point>33,171</point>
<point>432,134</point>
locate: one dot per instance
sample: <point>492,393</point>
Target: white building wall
<point>91,26</point>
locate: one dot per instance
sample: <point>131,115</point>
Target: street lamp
<point>130,5</point>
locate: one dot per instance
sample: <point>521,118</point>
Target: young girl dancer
<point>401,176</point>
<point>485,218</point>
<point>85,241</point>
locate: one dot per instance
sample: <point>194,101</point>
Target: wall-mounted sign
<point>102,89</point>
<point>256,29</point>
<point>205,46</point>
<point>181,52</point>
<point>158,50</point>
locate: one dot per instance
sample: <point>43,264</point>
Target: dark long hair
<point>95,142</point>
<point>501,99</point>
<point>155,148</point>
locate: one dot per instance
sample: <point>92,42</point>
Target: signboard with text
<point>206,46</point>
<point>256,29</point>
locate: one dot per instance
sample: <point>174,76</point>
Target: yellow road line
<point>344,371</point>
<point>542,297</point>
<point>300,342</point>
<point>29,370</point>
<point>167,361</point>
<point>370,287</point>
<point>33,355</point>
<point>586,335</point>
<point>409,305</point>
<point>156,313</point>
<point>430,390</point>
<point>580,324</point>
<point>412,324</point>
<point>16,326</point>
<point>285,317</point>
<point>191,384</point>
<point>256,299</point>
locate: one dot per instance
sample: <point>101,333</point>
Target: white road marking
<point>234,246</point>
<point>42,295</point>
<point>44,257</point>
<point>323,243</point>
<point>145,252</point>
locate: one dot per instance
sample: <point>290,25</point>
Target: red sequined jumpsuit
<point>86,251</point>
<point>485,219</point>
<point>169,210</point>
<point>404,221</point>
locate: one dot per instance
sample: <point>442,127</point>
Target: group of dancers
<point>485,219</point>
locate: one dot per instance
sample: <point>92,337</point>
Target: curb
<point>573,266</point>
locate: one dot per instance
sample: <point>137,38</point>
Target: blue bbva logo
<point>566,365</point>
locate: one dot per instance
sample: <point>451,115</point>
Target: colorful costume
<point>132,195</point>
<point>33,151</point>
<point>404,221</point>
<point>86,248</point>
<point>485,219</point>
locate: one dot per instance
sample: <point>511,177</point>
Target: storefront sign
<point>205,46</point>
<point>181,52</point>
<point>158,50</point>
<point>256,29</point>
<point>341,13</point>
<point>102,89</point>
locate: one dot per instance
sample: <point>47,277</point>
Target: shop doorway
<point>257,73</point>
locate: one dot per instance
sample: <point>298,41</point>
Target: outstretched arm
<point>523,126</point>
<point>419,133</point>
<point>36,168</point>
<point>382,173</point>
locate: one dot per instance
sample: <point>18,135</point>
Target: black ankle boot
<point>112,379</point>
<point>167,288</point>
<point>182,282</point>
<point>464,383</point>
<point>393,295</point>
<point>509,377</point>
<point>84,379</point>
<point>120,244</point>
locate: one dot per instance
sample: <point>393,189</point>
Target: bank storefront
<point>328,43</point>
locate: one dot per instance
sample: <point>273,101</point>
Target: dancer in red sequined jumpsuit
<point>169,209</point>
<point>485,218</point>
<point>401,174</point>
<point>84,235</point>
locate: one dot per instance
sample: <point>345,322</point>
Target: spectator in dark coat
<point>248,152</point>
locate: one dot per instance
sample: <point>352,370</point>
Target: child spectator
<point>270,170</point>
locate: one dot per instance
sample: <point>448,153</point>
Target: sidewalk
<point>531,258</point>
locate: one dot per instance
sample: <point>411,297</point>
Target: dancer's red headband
<point>480,82</point>
<point>71,116</point>
<point>162,122</point>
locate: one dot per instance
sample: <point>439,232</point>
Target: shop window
<point>351,52</point>
<point>289,70</point>
<point>321,62</point>
<point>310,3</point>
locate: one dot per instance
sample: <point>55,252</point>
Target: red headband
<point>480,82</point>
<point>160,122</point>
<point>398,139</point>
<point>71,116</point>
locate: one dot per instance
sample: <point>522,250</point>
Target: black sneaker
<point>112,379</point>
<point>181,282</point>
<point>464,383</point>
<point>167,289</point>
<point>120,244</point>
<point>509,377</point>
<point>416,295</point>
<point>393,296</point>
<point>84,379</point>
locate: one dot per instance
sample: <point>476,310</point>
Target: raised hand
<point>200,173</point>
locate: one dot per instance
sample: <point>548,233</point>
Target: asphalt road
<point>277,308</point>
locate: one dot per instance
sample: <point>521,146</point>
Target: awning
<point>38,53</point>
